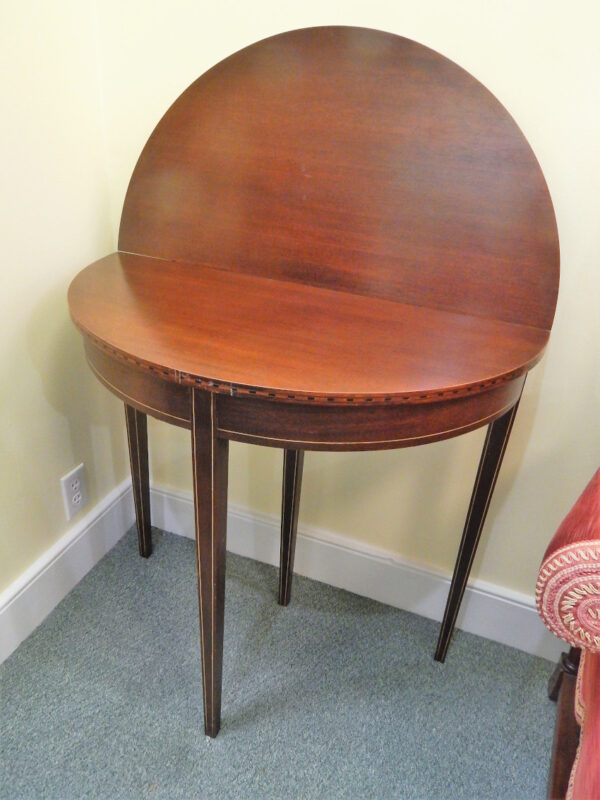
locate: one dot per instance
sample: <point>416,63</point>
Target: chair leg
<point>137,437</point>
<point>210,462</point>
<point>293,462</point>
<point>561,688</point>
<point>489,466</point>
<point>568,664</point>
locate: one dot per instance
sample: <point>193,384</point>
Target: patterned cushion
<point>584,783</point>
<point>568,586</point>
<point>568,600</point>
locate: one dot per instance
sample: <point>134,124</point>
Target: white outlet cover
<point>74,491</point>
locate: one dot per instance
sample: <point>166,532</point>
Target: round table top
<point>331,213</point>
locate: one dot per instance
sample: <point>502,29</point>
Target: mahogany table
<point>335,239</point>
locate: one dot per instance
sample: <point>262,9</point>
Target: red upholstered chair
<point>568,600</point>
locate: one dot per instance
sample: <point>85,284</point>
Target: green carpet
<point>335,696</point>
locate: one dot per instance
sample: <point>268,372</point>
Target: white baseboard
<point>487,610</point>
<point>29,600</point>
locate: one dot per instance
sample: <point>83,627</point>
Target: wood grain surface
<point>356,160</point>
<point>334,239</point>
<point>235,331</point>
<point>331,214</point>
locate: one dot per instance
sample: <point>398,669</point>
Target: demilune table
<point>335,239</point>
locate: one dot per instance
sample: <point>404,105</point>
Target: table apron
<point>376,427</point>
<point>142,389</point>
<point>306,426</point>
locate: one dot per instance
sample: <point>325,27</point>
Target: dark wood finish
<point>566,732</point>
<point>309,426</point>
<point>568,664</point>
<point>360,426</point>
<point>335,239</point>
<point>248,335</point>
<point>143,390</point>
<point>137,438</point>
<point>352,159</point>
<point>210,457</point>
<point>293,462</point>
<point>485,481</point>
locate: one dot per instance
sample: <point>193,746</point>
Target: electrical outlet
<point>74,491</point>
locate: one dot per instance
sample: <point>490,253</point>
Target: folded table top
<point>300,342</point>
<point>332,213</point>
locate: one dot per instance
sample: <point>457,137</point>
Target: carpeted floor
<point>334,697</point>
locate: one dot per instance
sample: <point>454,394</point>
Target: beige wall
<point>54,219</point>
<point>541,60</point>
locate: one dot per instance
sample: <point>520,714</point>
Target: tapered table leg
<point>293,461</point>
<point>210,460</point>
<point>489,466</point>
<point>137,437</point>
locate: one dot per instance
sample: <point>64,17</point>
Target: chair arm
<point>568,585</point>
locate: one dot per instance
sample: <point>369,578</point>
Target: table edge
<point>292,396</point>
